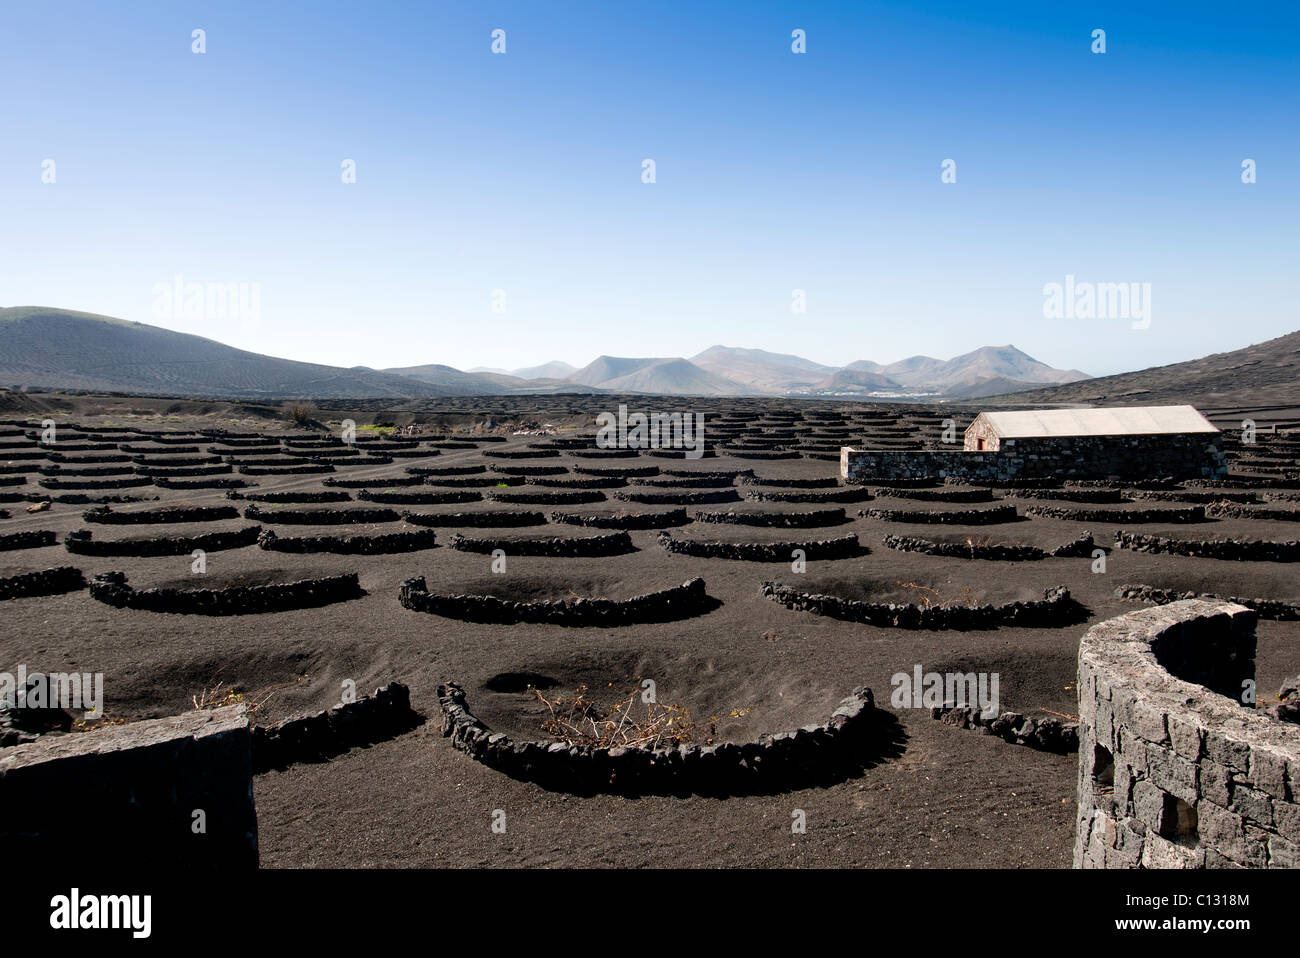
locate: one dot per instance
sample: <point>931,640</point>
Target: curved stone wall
<point>111,588</point>
<point>320,517</point>
<point>809,755</point>
<point>82,542</point>
<point>615,543</point>
<point>1076,548</point>
<point>106,516</point>
<point>484,520</point>
<point>548,498</point>
<point>679,498</point>
<point>1240,550</point>
<point>625,520</point>
<point>27,540</point>
<point>1266,608</point>
<point>840,495</point>
<point>1174,771</point>
<point>1055,608</point>
<point>45,582</point>
<point>843,547</point>
<point>680,602</point>
<point>1132,516</point>
<point>963,517</point>
<point>330,732</point>
<point>350,545</point>
<point>777,520</point>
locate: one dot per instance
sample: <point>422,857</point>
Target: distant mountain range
<point>50,348</point>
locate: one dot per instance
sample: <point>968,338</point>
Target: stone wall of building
<point>1174,771</point>
<point>1063,457</point>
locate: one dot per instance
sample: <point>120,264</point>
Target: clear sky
<point>775,171</point>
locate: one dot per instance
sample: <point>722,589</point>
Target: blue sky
<point>775,171</point>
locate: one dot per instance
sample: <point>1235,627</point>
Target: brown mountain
<point>1266,374</point>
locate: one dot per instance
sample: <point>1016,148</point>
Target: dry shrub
<point>577,720</point>
<point>221,694</point>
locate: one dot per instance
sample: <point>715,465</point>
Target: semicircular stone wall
<point>1174,770</point>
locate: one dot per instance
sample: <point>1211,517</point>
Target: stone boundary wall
<point>627,472</point>
<point>708,453</point>
<point>679,498</point>
<point>294,497</point>
<point>1174,773</point>
<point>625,520</point>
<point>214,483</point>
<point>1080,547</point>
<point>1043,734</point>
<point>321,735</point>
<point>157,472</point>
<point>777,520</point>
<point>711,474</point>
<point>527,470</point>
<point>818,482</point>
<point>841,495</point>
<point>484,520</point>
<point>127,794</point>
<point>759,454</point>
<point>1225,511</point>
<point>107,516</point>
<point>615,543</point>
<point>27,540</point>
<point>475,482</point>
<point>679,602</point>
<point>111,588</point>
<point>522,454</point>
<point>1095,496</point>
<point>961,517</point>
<point>319,517</point>
<point>82,542</point>
<point>1239,550</point>
<point>577,482</point>
<point>388,482</point>
<point>311,470</point>
<point>350,545</point>
<point>842,547</point>
<point>701,481</point>
<point>419,498</point>
<point>1056,608</point>
<point>1173,516</point>
<point>936,495</point>
<point>58,471</point>
<point>806,756</point>
<point>134,482</point>
<point>1265,608</point>
<point>1086,457</point>
<point>548,498</point>
<point>46,582</point>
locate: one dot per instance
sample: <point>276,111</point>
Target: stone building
<point>1131,442</point>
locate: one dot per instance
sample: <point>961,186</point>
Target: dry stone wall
<point>1174,771</point>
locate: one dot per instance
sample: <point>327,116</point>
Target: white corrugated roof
<point>1116,421</point>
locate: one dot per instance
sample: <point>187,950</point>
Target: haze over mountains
<point>48,348</point>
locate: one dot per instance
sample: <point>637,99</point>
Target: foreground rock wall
<point>167,792</point>
<point>1174,771</point>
